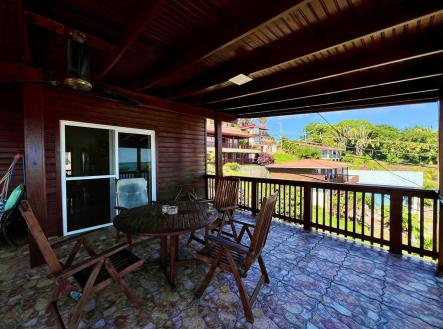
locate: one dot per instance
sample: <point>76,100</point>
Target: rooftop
<point>253,125</point>
<point>317,281</point>
<point>310,164</point>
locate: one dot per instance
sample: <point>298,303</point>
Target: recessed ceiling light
<point>240,79</point>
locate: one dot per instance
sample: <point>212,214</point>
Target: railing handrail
<point>385,189</point>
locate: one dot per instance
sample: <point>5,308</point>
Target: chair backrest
<point>132,192</point>
<point>226,192</point>
<point>263,223</point>
<point>40,238</point>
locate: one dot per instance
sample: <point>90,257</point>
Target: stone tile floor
<point>317,281</point>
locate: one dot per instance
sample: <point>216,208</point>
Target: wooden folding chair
<point>91,275</point>
<point>236,258</point>
<point>225,201</point>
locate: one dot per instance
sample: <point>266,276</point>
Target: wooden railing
<point>403,219</point>
<point>134,174</point>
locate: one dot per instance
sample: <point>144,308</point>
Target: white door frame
<point>116,129</point>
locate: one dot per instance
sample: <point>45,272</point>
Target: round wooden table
<point>150,221</point>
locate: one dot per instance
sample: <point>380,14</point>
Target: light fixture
<point>240,79</point>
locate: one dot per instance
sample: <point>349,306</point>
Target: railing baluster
<point>372,217</point>
<point>338,209</point>
<point>316,204</point>
<point>307,196</point>
<point>284,200</point>
<point>422,225</point>
<point>346,213</point>
<point>363,196</point>
<point>354,201</point>
<point>330,208</point>
<point>434,226</point>
<point>324,207</point>
<point>410,228</point>
<point>382,215</point>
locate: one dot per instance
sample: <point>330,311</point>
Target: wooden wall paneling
<point>180,140</point>
<point>11,131</point>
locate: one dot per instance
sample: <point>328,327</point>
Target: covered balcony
<point>96,92</point>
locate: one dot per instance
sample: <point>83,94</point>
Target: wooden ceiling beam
<point>358,105</point>
<point>396,74</point>
<point>168,105</point>
<point>333,67</point>
<point>144,14</point>
<point>218,38</point>
<point>66,31</point>
<point>406,88</point>
<point>299,45</point>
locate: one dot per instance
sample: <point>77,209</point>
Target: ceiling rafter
<point>356,105</point>
<point>398,73</point>
<point>327,69</point>
<point>144,14</point>
<point>226,34</point>
<point>270,55</point>
<point>400,89</point>
<point>67,31</point>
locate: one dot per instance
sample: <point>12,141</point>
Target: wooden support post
<point>35,155</point>
<point>395,221</point>
<point>254,198</point>
<point>440,183</point>
<point>218,146</point>
<point>307,204</point>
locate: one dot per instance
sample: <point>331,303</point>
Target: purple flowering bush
<point>265,159</point>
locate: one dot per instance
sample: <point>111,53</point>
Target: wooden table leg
<point>163,251</point>
<point>173,246</point>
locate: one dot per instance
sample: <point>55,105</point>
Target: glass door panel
<point>135,157</point>
<point>89,203</point>
<point>89,177</point>
<point>93,157</point>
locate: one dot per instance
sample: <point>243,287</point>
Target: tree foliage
<point>417,145</point>
<point>298,151</point>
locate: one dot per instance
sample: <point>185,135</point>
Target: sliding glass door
<point>93,158</point>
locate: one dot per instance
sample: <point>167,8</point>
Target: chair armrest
<point>223,209</point>
<point>66,241</point>
<point>229,244</point>
<point>91,261</point>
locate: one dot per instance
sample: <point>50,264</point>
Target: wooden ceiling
<point>302,56</point>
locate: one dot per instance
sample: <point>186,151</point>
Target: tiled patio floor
<point>317,281</point>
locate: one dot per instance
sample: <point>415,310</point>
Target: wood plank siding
<point>180,140</point>
<point>11,131</point>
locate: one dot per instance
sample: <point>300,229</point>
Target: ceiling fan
<point>78,74</point>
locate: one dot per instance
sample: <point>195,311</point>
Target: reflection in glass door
<point>93,157</point>
<point>135,158</point>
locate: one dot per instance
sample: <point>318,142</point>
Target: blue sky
<point>402,116</point>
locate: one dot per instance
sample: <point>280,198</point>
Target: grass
<point>283,157</point>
